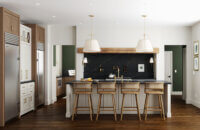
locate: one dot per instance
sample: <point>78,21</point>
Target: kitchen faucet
<point>118,70</point>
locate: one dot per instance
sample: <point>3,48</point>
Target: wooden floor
<point>184,117</point>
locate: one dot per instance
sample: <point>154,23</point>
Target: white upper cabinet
<point>25,53</point>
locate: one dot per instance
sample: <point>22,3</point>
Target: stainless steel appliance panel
<point>11,81</point>
<point>40,74</point>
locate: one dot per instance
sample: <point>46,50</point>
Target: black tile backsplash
<point>99,66</point>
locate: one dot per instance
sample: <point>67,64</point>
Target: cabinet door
<point>7,22</point>
<point>23,104</point>
<point>30,101</point>
<point>28,62</point>
<point>41,35</point>
<point>15,25</point>
<point>25,62</point>
<point>31,98</point>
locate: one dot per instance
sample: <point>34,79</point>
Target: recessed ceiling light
<point>37,4</point>
<point>53,16</point>
<point>90,4</point>
<point>80,23</point>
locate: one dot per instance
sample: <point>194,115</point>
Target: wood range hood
<point>120,51</point>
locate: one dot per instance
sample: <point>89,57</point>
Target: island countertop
<point>119,81</point>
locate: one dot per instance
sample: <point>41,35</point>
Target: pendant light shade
<point>144,45</point>
<point>91,45</point>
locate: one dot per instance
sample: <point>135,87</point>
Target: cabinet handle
<point>30,98</point>
<point>25,100</point>
<point>21,74</point>
<point>11,28</point>
<point>26,74</point>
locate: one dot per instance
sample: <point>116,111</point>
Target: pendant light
<point>144,45</point>
<point>91,45</point>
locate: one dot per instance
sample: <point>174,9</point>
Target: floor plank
<point>184,117</point>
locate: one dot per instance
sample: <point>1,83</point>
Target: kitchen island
<point>107,99</point>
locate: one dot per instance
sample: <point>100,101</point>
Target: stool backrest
<point>130,87</point>
<point>82,86</point>
<point>154,86</point>
<point>106,86</point>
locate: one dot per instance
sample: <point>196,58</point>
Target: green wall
<point>54,55</point>
<point>178,65</point>
<point>68,57</point>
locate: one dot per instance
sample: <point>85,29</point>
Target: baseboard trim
<point>196,103</point>
<point>54,100</point>
<point>177,92</point>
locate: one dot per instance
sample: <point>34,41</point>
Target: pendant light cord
<point>91,16</point>
<point>144,16</point>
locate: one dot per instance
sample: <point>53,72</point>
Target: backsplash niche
<point>135,66</point>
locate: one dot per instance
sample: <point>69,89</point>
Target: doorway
<point>175,68</point>
<point>63,61</point>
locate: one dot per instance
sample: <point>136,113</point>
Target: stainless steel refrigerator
<point>40,73</point>
<point>11,76</point>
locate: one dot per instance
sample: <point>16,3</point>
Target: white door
<point>169,66</point>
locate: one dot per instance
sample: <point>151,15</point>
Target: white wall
<point>128,36</point>
<point>63,35</point>
<point>196,74</point>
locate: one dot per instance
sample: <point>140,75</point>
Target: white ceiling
<point>75,12</point>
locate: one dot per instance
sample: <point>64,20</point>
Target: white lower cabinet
<point>27,100</point>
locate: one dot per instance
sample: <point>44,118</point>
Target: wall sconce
<point>151,60</point>
<point>85,61</point>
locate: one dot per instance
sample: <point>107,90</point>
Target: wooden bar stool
<point>155,88</point>
<point>106,88</point>
<point>130,88</point>
<point>79,89</point>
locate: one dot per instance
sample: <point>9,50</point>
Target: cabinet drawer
<point>23,89</point>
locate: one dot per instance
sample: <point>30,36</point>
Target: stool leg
<point>122,107</point>
<point>99,105</point>
<point>138,109</point>
<point>75,103</point>
<point>146,106</point>
<point>90,104</point>
<point>114,107</point>
<point>160,105</point>
<point>163,112</point>
<point>145,102</point>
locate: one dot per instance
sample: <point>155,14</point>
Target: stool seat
<point>104,92</point>
<point>154,92</point>
<point>130,92</point>
<point>81,92</point>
